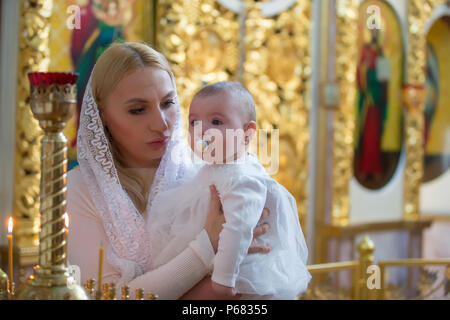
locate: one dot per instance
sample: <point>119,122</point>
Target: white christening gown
<point>245,189</point>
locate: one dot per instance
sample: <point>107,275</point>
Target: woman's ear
<point>249,131</point>
<point>104,122</point>
<point>102,116</point>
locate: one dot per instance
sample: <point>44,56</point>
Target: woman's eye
<point>136,111</point>
<point>168,103</point>
<point>217,122</point>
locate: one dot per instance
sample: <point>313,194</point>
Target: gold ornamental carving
<point>200,40</point>
<point>277,72</point>
<point>344,114</point>
<point>414,101</point>
<point>419,12</point>
<point>33,56</point>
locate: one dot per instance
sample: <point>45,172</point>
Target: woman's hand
<point>204,291</point>
<point>258,231</point>
<point>215,219</point>
<point>228,292</point>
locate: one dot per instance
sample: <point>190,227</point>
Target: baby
<point>222,121</point>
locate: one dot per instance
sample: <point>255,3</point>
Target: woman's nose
<point>158,121</point>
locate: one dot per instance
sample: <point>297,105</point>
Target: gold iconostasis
<point>357,93</point>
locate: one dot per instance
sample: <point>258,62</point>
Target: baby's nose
<point>205,130</point>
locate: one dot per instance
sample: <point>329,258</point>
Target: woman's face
<point>140,114</point>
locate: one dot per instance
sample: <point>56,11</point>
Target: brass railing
<point>428,283</point>
<point>357,268</point>
<point>324,268</point>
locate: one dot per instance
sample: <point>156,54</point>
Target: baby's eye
<point>217,122</point>
<point>136,111</point>
<point>195,122</point>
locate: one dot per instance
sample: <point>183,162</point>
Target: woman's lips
<point>158,143</point>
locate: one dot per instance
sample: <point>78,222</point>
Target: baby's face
<point>219,120</point>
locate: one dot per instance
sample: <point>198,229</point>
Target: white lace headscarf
<point>132,247</point>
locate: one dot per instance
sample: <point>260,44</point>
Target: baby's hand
<point>224,290</point>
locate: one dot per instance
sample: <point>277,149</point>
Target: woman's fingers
<point>265,214</point>
<point>259,248</point>
<point>260,230</point>
<point>221,220</point>
<point>215,204</point>
<point>215,219</point>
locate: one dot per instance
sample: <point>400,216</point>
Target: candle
<point>100,268</point>
<point>66,221</point>
<point>10,256</point>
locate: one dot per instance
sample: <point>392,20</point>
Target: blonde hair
<point>119,60</point>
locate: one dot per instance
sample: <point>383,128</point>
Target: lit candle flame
<point>10,225</point>
<point>66,220</point>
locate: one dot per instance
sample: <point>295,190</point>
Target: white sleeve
<point>179,275</point>
<point>86,232</point>
<point>242,201</point>
<point>169,281</point>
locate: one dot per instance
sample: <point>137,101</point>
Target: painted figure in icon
<point>432,87</point>
<point>372,110</point>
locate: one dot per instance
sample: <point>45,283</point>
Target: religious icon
<point>378,135</point>
<point>432,87</point>
<point>102,23</point>
<point>437,103</point>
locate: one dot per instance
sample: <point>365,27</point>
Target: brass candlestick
<point>53,99</point>
<point>105,291</point>
<point>90,288</point>
<point>152,296</point>
<point>125,292</point>
<point>3,285</point>
<point>139,294</point>
<point>112,291</point>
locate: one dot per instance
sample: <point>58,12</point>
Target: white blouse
<point>170,280</point>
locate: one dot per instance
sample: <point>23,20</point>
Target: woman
<point>131,147</point>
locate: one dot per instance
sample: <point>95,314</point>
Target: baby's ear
<point>249,130</point>
<point>250,125</point>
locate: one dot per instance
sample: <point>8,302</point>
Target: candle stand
<point>52,100</point>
